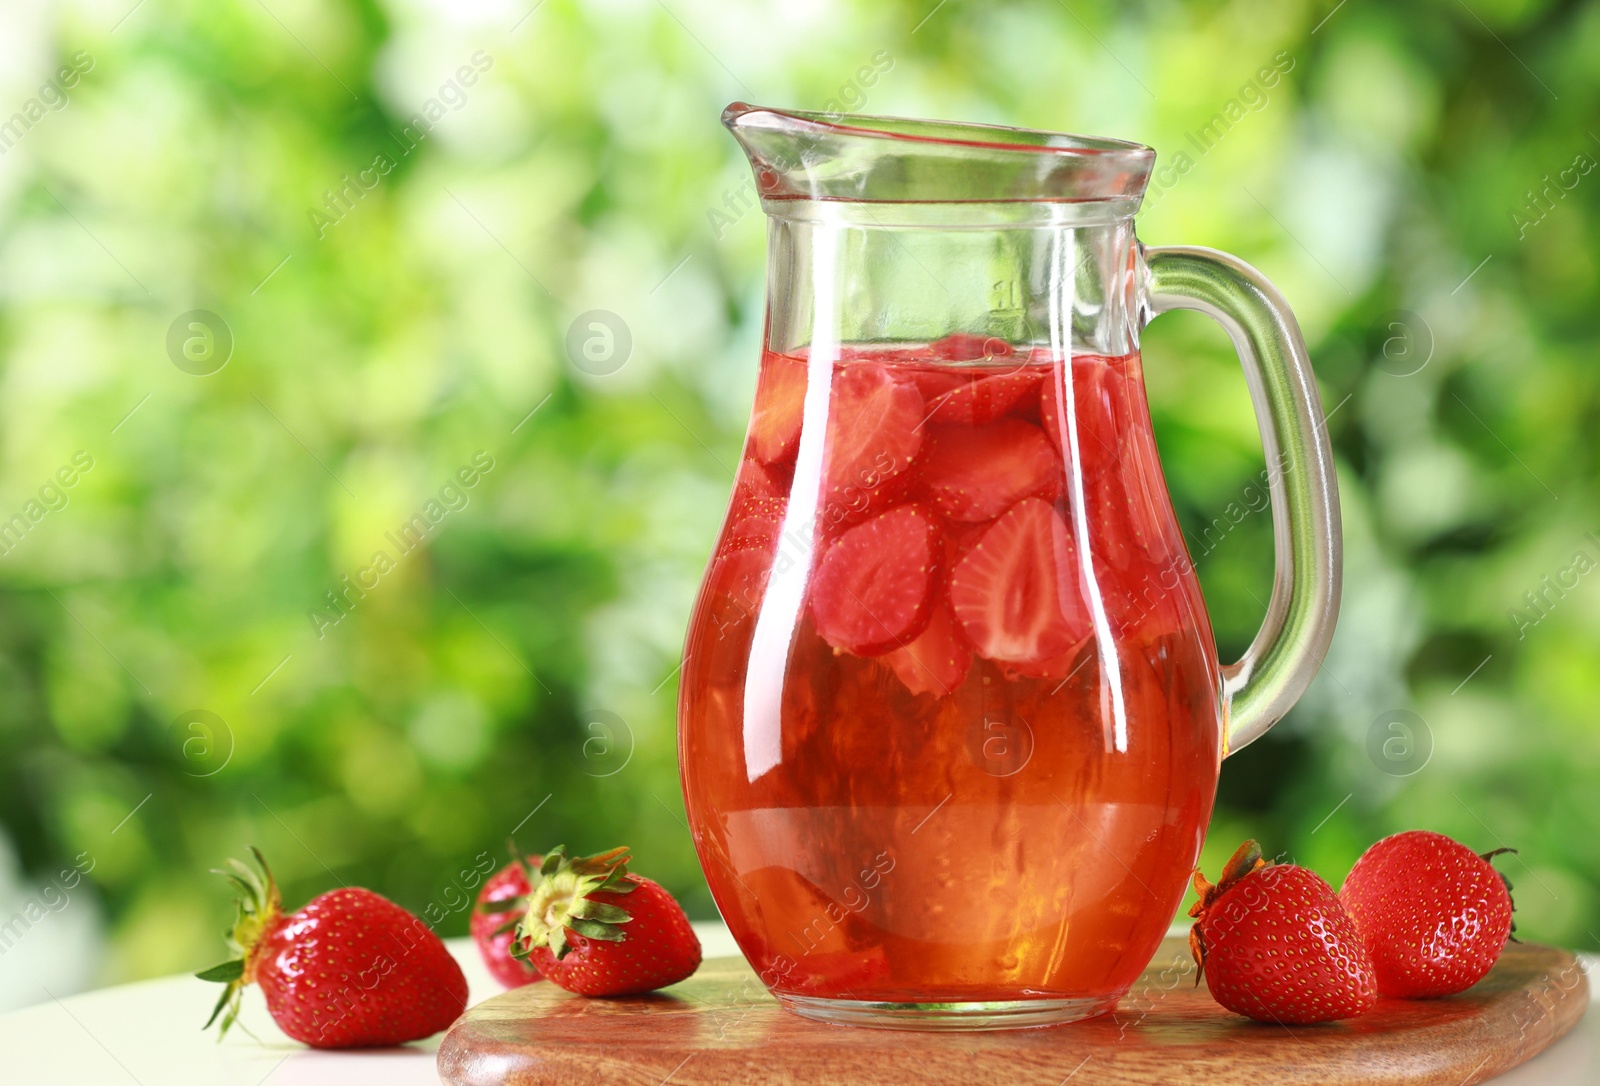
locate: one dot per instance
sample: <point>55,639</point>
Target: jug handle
<point>1288,651</point>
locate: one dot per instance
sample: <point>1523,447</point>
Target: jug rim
<point>861,158</point>
<point>922,130</point>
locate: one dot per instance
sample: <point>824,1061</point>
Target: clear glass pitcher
<point>952,714</point>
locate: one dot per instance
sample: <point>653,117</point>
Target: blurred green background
<point>1416,180</point>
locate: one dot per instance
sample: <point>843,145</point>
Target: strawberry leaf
<point>226,998</point>
<point>594,929</point>
<point>504,905</point>
<point>590,909</point>
<point>227,971</point>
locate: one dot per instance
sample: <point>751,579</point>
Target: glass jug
<point>951,714</point>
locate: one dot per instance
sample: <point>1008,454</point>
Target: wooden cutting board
<point>721,1028</point>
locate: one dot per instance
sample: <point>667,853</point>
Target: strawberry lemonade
<point>950,706</point>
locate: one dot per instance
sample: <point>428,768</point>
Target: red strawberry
<point>873,436</point>
<point>985,399</point>
<point>975,473</point>
<point>779,408</point>
<point>937,661</point>
<point>1016,592</point>
<point>501,902</point>
<point>736,584</point>
<point>1434,914</point>
<point>935,381</point>
<point>1277,946</point>
<point>1099,389</point>
<point>349,970</point>
<point>873,590</point>
<point>594,929</point>
<point>756,521</point>
<point>757,481</point>
<point>959,539</point>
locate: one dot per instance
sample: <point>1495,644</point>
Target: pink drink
<point>971,753</point>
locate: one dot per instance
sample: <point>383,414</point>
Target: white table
<point>149,1034</point>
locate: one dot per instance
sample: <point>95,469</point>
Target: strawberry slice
<point>937,661</point>
<point>873,436</point>
<point>755,521</point>
<point>729,603</point>
<point>873,590</point>
<point>975,473</point>
<point>987,398</point>
<point>757,481</point>
<point>1101,395</point>
<point>935,381</point>
<point>960,538</point>
<point>1015,593</point>
<point>779,408</point>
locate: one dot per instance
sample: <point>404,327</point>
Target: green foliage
<point>491,679</point>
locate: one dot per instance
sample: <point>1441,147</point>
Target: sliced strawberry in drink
<point>1056,668</point>
<point>960,538</point>
<point>873,436</point>
<point>1101,395</point>
<point>968,347</point>
<point>937,661</point>
<point>935,381</point>
<point>985,399</point>
<point>975,473</point>
<point>1015,593</point>
<point>756,521</point>
<point>873,590</point>
<point>779,408</point>
<point>1152,609</point>
<point>756,480</point>
<point>735,587</point>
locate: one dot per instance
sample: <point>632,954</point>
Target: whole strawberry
<point>594,929</point>
<point>1277,946</point>
<point>349,970</point>
<point>1434,915</point>
<point>499,908</point>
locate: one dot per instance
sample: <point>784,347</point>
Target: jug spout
<point>799,155</point>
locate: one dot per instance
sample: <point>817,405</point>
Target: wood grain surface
<point>721,1028</point>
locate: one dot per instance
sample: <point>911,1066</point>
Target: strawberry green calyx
<point>1246,860</point>
<point>259,908</point>
<point>560,900</point>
